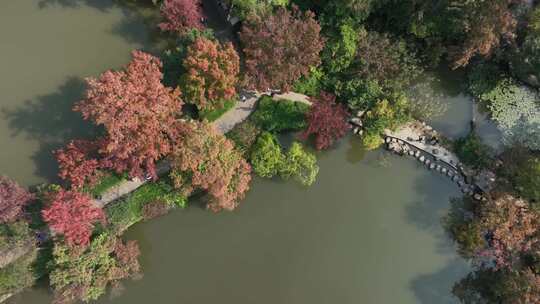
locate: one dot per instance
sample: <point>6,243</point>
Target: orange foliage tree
<point>205,159</point>
<point>212,73</point>
<point>280,48</point>
<point>138,113</point>
<point>13,198</point>
<point>72,215</point>
<point>78,163</point>
<point>484,24</point>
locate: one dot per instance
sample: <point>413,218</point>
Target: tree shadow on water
<point>427,212</point>
<point>436,287</point>
<point>50,121</point>
<point>134,27</point>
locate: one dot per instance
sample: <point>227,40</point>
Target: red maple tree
<point>205,159</point>
<point>327,120</point>
<point>181,15</point>
<point>280,48</point>
<point>138,113</point>
<point>13,198</point>
<point>212,73</point>
<point>76,163</point>
<point>73,215</point>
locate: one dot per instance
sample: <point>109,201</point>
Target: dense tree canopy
<point>386,113</point>
<point>84,273</point>
<point>243,8</point>
<point>528,179</point>
<point>269,160</point>
<point>137,112</point>
<point>181,15</point>
<point>211,73</point>
<point>503,239</point>
<point>280,48</point>
<point>326,120</point>
<point>484,24</point>
<point>388,61</point>
<point>13,199</point>
<point>205,159</point>
<point>78,163</point>
<point>73,215</point>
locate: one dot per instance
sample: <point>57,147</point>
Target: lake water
<point>368,231</point>
<point>48,47</point>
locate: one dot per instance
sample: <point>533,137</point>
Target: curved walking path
<point>224,124</point>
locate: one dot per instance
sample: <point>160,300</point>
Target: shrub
<point>213,115</point>
<point>299,165</point>
<point>13,199</point>
<point>104,183</point>
<point>282,115</point>
<point>155,209</point>
<point>130,210</point>
<point>310,85</point>
<point>371,141</point>
<point>472,152</point>
<point>384,115</point>
<point>267,156</point>
<point>244,136</point>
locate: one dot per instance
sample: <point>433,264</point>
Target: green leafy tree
<point>360,94</point>
<point>386,60</point>
<point>528,179</point>
<point>267,156</point>
<point>243,8</point>
<point>385,114</point>
<point>340,48</point>
<point>85,273</point>
<point>299,165</point>
<point>472,151</point>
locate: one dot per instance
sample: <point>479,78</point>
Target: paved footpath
<point>224,124</point>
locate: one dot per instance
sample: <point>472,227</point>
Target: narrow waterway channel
<point>368,231</point>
